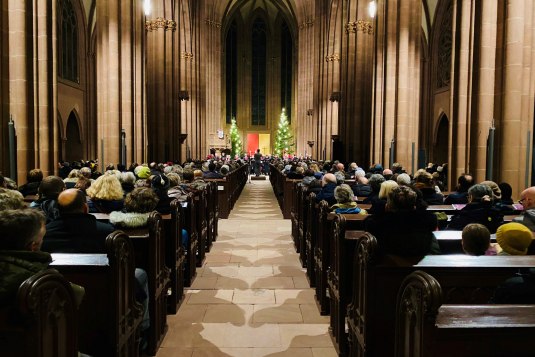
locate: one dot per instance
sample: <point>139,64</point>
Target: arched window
<point>259,72</point>
<point>232,71</point>
<point>286,70</point>
<point>68,44</point>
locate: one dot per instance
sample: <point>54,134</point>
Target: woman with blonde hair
<point>378,206</point>
<point>105,195</point>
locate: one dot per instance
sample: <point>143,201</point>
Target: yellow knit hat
<point>514,238</point>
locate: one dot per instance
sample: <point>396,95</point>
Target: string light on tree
<point>283,136</point>
<point>235,140</point>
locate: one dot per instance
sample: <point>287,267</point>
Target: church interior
<point>412,82</point>
<point>408,81</point>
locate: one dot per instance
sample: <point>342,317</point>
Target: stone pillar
<point>461,84</point>
<point>518,89</point>
<point>397,78</point>
<point>30,55</point>
<point>119,97</point>
<point>355,113</point>
<point>163,115</point>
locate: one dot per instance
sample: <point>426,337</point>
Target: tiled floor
<point>251,298</point>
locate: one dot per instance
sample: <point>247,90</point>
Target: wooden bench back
<point>109,315</point>
<point>427,327</point>
<point>42,322</point>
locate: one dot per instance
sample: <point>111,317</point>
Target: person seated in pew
<point>375,182</point>
<point>460,195</point>
<point>478,210</point>
<point>497,198</point>
<point>33,180</point>
<point>514,239</point>
<point>212,173</point>
<point>328,183</point>
<point>11,199</point>
<point>160,186</point>
<point>423,181</point>
<point>507,193</point>
<point>527,200</point>
<point>313,184</point>
<point>105,194</point>
<point>516,290</point>
<point>47,197</point>
<point>476,240</point>
<point>378,206</point>
<point>404,229</point>
<point>137,206</point>
<point>75,230</point>
<point>346,203</point>
<point>21,237</point>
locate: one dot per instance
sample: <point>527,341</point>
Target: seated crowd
<point>60,217</point>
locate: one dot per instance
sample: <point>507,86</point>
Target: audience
<point>105,195</point>
<point>75,230</point>
<point>31,187</point>
<point>10,199</point>
<point>402,229</point>
<point>460,195</point>
<point>328,183</point>
<point>345,201</point>
<point>527,200</point>
<point>476,240</point>
<point>137,206</point>
<point>47,196</point>
<point>514,239</point>
<point>478,210</point>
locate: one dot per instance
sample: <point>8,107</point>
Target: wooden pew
<point>202,225</point>
<point>175,255</point>
<point>42,322</point>
<point>302,212</point>
<point>190,224</point>
<point>294,216</point>
<point>376,281</point>
<point>289,197</point>
<point>213,215</point>
<point>311,234</point>
<point>321,257</point>
<point>229,189</point>
<point>450,242</point>
<point>109,315</point>
<point>339,275</point>
<point>149,247</point>
<point>427,327</point>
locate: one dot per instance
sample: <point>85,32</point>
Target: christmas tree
<point>283,137</point>
<point>235,140</point>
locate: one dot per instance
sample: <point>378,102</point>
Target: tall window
<point>232,71</point>
<point>286,70</point>
<point>259,73</point>
<point>68,44</point>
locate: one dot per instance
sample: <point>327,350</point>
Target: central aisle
<point>251,298</point>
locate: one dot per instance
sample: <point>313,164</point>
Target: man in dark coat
<point>257,162</point>
<point>75,230</point>
<point>328,183</point>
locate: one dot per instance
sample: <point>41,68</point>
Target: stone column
<point>518,89</point>
<point>30,56</point>
<point>119,100</point>
<point>163,115</point>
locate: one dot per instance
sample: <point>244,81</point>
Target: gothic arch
<point>73,138</point>
<point>441,139</point>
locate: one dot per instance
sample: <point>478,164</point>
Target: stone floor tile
<point>285,313</point>
<point>254,296</point>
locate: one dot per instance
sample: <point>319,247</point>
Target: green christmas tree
<point>235,140</point>
<point>283,143</point>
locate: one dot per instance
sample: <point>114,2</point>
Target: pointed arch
<point>441,139</point>
<point>73,138</point>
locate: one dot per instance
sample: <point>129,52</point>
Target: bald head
<point>329,178</point>
<point>527,198</point>
<point>72,201</point>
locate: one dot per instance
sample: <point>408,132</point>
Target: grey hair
<point>343,193</point>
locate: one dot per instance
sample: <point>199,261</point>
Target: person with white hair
<point>328,183</point>
<point>404,179</point>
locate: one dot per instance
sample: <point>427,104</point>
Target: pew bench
<point>42,322</point>
<point>149,248</point>
<point>376,280</point>
<point>427,327</point>
<point>109,315</point>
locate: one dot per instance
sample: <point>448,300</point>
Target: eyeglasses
<point>521,200</point>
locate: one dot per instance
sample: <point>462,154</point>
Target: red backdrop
<point>252,143</point>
